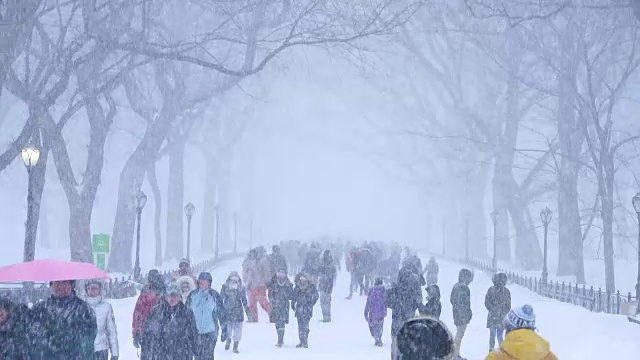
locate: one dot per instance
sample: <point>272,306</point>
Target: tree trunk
<point>528,254</point>
<point>500,183</point>
<point>209,209</point>
<point>44,235</point>
<point>37,182</point>
<point>157,214</point>
<point>80,231</point>
<point>477,221</point>
<point>607,186</point>
<point>174,248</point>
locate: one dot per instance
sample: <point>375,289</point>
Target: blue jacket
<point>217,312</point>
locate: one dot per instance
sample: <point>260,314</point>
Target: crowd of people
<point>183,318</point>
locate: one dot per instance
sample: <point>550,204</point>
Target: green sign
<point>100,243</point>
<point>101,261</point>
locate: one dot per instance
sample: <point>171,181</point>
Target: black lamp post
<point>636,206</point>
<point>494,263</point>
<point>217,208</point>
<point>30,156</point>
<point>546,217</point>
<point>141,201</point>
<point>189,209</point>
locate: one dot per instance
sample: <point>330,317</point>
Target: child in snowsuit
<point>305,296</point>
<point>375,311</point>
<point>280,291</point>
<point>234,304</point>
<point>433,307</point>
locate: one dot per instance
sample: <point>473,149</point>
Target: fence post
<point>618,302</point>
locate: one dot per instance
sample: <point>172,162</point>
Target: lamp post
<point>141,201</point>
<point>189,209</point>
<point>494,263</point>
<point>545,216</point>
<point>217,234</point>
<point>30,156</point>
<point>636,206</point>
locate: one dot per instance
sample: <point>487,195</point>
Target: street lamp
<point>636,206</point>
<point>30,156</point>
<point>141,201</point>
<point>494,263</point>
<point>218,233</point>
<point>189,209</point>
<point>546,217</point>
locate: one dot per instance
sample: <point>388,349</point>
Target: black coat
<point>404,297</point>
<point>327,276</point>
<point>61,328</point>
<point>303,300</point>
<point>498,303</point>
<point>312,262</point>
<point>461,302</point>
<point>278,262</point>
<point>432,308</point>
<point>280,299</point>
<point>170,333</point>
<point>234,303</point>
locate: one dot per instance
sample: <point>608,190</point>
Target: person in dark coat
<point>433,307</point>
<point>375,311</point>
<point>12,344</point>
<point>431,270</point>
<point>280,291</point>
<point>208,313</point>
<point>61,327</point>
<point>404,298</point>
<point>326,281</point>
<point>170,331</point>
<point>461,302</point>
<point>312,263</point>
<point>277,261</point>
<point>305,296</point>
<point>498,303</point>
<point>151,295</point>
<point>234,303</point>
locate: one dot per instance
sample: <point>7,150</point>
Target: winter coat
<point>375,309</point>
<point>498,303</point>
<point>256,272</point>
<point>218,313</point>
<point>61,328</point>
<point>277,262</point>
<point>404,297</point>
<point>234,300</point>
<point>303,300</point>
<point>107,337</point>
<point>327,276</point>
<point>170,332</point>
<point>461,301</point>
<point>312,262</point>
<point>190,281</point>
<point>433,307</point>
<point>144,305</point>
<point>523,344</point>
<point>279,297</point>
<point>431,270</point>
<point>12,332</point>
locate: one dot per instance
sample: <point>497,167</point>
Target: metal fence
<point>588,297</point>
<point>118,288</point>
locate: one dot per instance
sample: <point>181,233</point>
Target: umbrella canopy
<point>50,270</point>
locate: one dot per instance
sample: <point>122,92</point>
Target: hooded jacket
<point>189,280</point>
<point>107,336</point>
<point>404,297</point>
<point>375,309</point>
<point>523,344</point>
<point>304,298</point>
<point>461,299</point>
<point>150,296</point>
<point>327,274</point>
<point>217,311</point>
<point>280,298</point>
<point>234,299</point>
<point>497,301</point>
<point>170,332</point>
<point>433,307</point>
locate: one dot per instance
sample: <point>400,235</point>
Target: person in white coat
<point>107,337</point>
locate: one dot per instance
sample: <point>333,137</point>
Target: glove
<point>136,341</point>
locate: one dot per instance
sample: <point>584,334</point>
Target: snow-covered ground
<point>574,333</point>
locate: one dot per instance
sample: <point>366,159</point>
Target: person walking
<point>256,274</point>
<point>498,303</point>
<point>433,307</point>
<point>522,341</point>
<point>461,302</point>
<point>234,303</point>
<point>375,311</point>
<point>151,295</point>
<point>326,281</point>
<point>305,296</point>
<point>208,311</point>
<point>431,270</point>
<point>280,293</point>
<point>277,260</point>
<point>107,337</point>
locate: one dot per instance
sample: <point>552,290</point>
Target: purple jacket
<point>375,310</point>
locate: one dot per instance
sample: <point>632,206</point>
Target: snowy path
<point>574,333</point>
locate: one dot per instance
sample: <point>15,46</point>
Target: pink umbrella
<point>50,270</point>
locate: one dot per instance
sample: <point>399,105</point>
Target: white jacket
<point>107,337</point>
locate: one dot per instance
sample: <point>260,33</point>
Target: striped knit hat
<point>521,317</point>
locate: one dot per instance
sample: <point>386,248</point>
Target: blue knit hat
<point>521,317</point>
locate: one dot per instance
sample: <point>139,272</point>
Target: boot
<point>280,338</point>
<point>305,340</point>
<point>235,347</point>
<point>227,345</point>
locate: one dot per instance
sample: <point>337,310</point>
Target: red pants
<point>254,296</point>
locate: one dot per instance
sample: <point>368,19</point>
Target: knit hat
<point>205,276</point>
<point>173,289</point>
<point>424,338</point>
<point>521,317</point>
<point>184,261</point>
